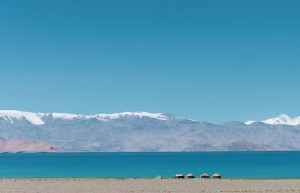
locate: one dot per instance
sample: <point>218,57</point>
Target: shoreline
<point>213,151</point>
<point>146,185</point>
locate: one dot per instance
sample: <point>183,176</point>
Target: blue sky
<point>209,60</point>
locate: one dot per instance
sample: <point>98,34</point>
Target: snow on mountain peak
<point>64,116</point>
<point>33,118</point>
<point>249,122</point>
<point>37,118</point>
<point>159,116</point>
<point>281,120</point>
<point>284,117</point>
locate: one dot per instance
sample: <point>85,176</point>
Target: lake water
<point>228,164</point>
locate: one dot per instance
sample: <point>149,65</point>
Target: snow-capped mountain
<point>38,118</point>
<point>140,131</point>
<point>281,120</point>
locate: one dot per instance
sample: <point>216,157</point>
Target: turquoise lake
<point>228,164</point>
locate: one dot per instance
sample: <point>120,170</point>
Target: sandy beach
<point>84,185</point>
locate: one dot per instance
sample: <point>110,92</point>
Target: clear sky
<point>208,60</point>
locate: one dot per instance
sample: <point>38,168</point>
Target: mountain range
<point>141,131</point>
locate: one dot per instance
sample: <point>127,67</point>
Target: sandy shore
<point>89,185</point>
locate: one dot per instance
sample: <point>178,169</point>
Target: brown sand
<point>89,185</point>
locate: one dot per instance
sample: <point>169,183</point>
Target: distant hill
<point>141,131</point>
